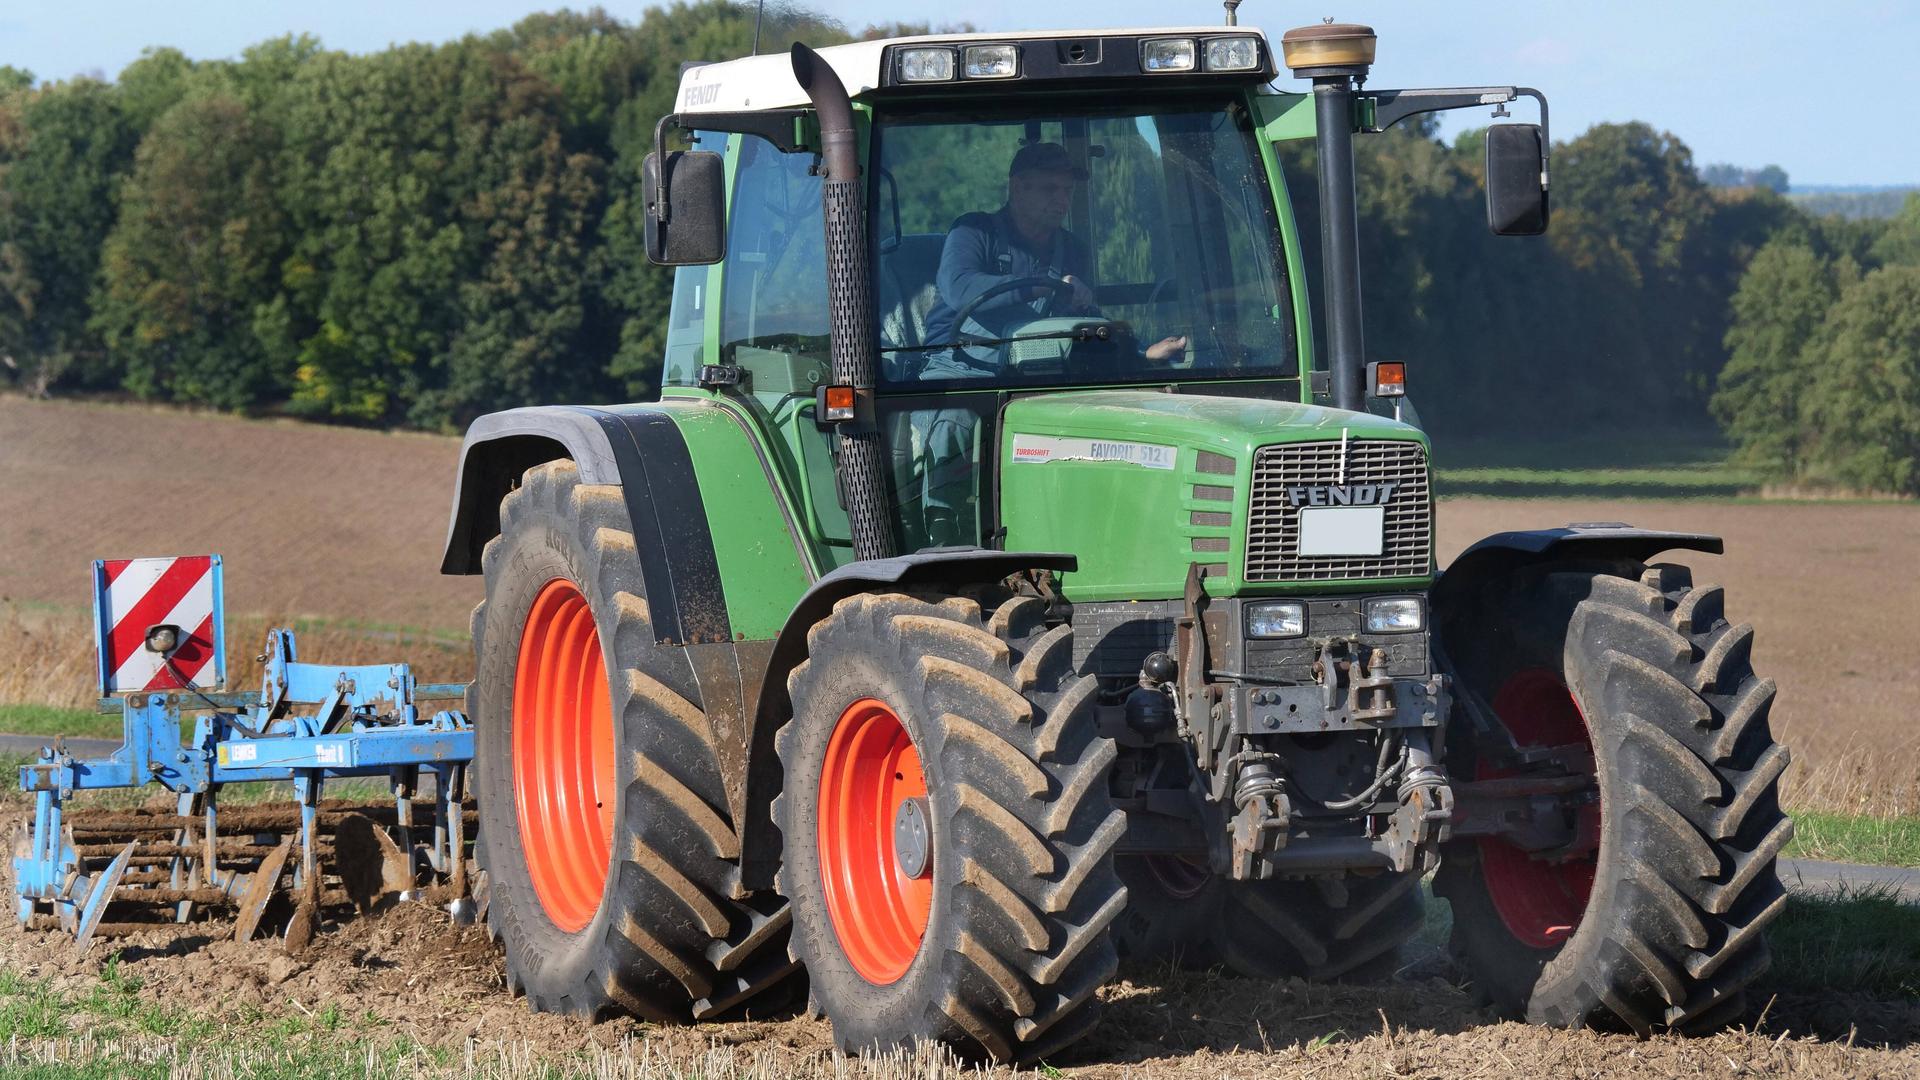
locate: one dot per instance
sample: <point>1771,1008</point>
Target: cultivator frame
<point>308,724</point>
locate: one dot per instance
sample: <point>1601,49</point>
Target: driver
<point>1022,239</point>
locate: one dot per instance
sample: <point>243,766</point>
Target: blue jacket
<point>981,251</point>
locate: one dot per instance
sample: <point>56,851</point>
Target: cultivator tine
<point>100,896</point>
<point>306,918</point>
<point>260,889</point>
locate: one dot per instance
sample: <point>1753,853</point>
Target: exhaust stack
<point>1336,56</point>
<point>860,466</point>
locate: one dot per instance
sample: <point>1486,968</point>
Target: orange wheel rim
<point>878,910</point>
<point>1541,902</point>
<point>563,756</point>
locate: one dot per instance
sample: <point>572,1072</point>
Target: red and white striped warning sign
<point>134,595</point>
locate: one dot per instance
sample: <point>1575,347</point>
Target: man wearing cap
<point>1022,239</point>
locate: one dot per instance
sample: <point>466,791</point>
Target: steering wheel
<point>1054,284</point>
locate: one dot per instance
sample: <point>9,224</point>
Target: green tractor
<point>1001,586</point>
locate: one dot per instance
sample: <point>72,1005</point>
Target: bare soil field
<point>408,979</point>
<point>311,520</point>
<point>346,526</point>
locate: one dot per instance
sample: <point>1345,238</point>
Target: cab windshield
<point>1094,244</point>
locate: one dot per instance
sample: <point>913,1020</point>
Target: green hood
<point>1143,484</point>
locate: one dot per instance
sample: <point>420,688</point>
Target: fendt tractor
<point>1002,585</point>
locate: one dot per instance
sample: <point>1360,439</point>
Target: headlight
<point>990,62</point>
<point>1395,615</point>
<point>1276,619</point>
<point>1232,54</point>
<point>1166,54</point>
<point>926,65</point>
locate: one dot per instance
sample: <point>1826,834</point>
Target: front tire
<point>611,862</point>
<point>1659,925</point>
<point>979,917</point>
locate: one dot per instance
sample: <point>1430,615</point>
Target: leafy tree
<point>1769,178</point>
<point>195,253</point>
<point>14,80</point>
<point>63,150</point>
<point>1864,410</point>
<point>1899,243</point>
<point>1779,310</point>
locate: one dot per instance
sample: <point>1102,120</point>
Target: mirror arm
<point>1382,109</point>
<point>781,127</point>
<point>660,155</point>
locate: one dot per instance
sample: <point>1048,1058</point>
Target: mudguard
<point>1502,552</point>
<point>637,447</point>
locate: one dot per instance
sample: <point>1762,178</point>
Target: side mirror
<point>1516,180</point>
<point>686,212</point>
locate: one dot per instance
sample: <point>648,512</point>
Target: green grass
<point>50,720</point>
<point>1862,939</point>
<point>1845,838</point>
<point>1644,467</point>
<point>108,1029</point>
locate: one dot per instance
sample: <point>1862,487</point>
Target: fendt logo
<point>696,96</point>
<point>1340,494</point>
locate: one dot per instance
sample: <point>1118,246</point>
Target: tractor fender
<point>1501,553</point>
<point>943,567</point>
<point>638,448</point>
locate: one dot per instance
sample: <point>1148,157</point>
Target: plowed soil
<point>410,974</point>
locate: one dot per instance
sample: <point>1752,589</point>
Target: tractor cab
<point>1053,214</point>
<point>1045,215</point>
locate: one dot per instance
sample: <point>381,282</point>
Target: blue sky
<point>1823,90</point>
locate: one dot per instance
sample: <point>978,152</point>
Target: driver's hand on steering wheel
<point>1082,298</point>
<point>1166,348</point>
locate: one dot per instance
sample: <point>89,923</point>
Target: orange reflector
<point>1389,378</point>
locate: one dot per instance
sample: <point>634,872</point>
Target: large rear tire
<point>1659,925</point>
<point>978,916</point>
<point>611,862</point>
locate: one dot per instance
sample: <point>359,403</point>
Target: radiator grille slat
<point>1273,527</point>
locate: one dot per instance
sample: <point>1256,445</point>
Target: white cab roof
<point>766,81</point>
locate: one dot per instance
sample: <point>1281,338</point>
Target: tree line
<point>417,236</point>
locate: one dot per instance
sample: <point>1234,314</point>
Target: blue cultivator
<point>98,872</point>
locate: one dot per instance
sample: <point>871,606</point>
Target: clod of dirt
<point>282,968</point>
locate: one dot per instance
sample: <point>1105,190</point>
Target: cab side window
<point>773,317</point>
<point>773,320</point>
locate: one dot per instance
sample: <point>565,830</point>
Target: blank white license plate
<point>1343,530</point>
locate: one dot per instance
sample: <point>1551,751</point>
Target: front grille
<point>1273,527</point>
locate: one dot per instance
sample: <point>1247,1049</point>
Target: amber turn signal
<point>837,403</point>
<point>1388,378</point>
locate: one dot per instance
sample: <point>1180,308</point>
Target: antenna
<point>760,6</point>
<point>1233,17</point>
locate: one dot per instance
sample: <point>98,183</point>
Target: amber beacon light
<point>1328,45</point>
